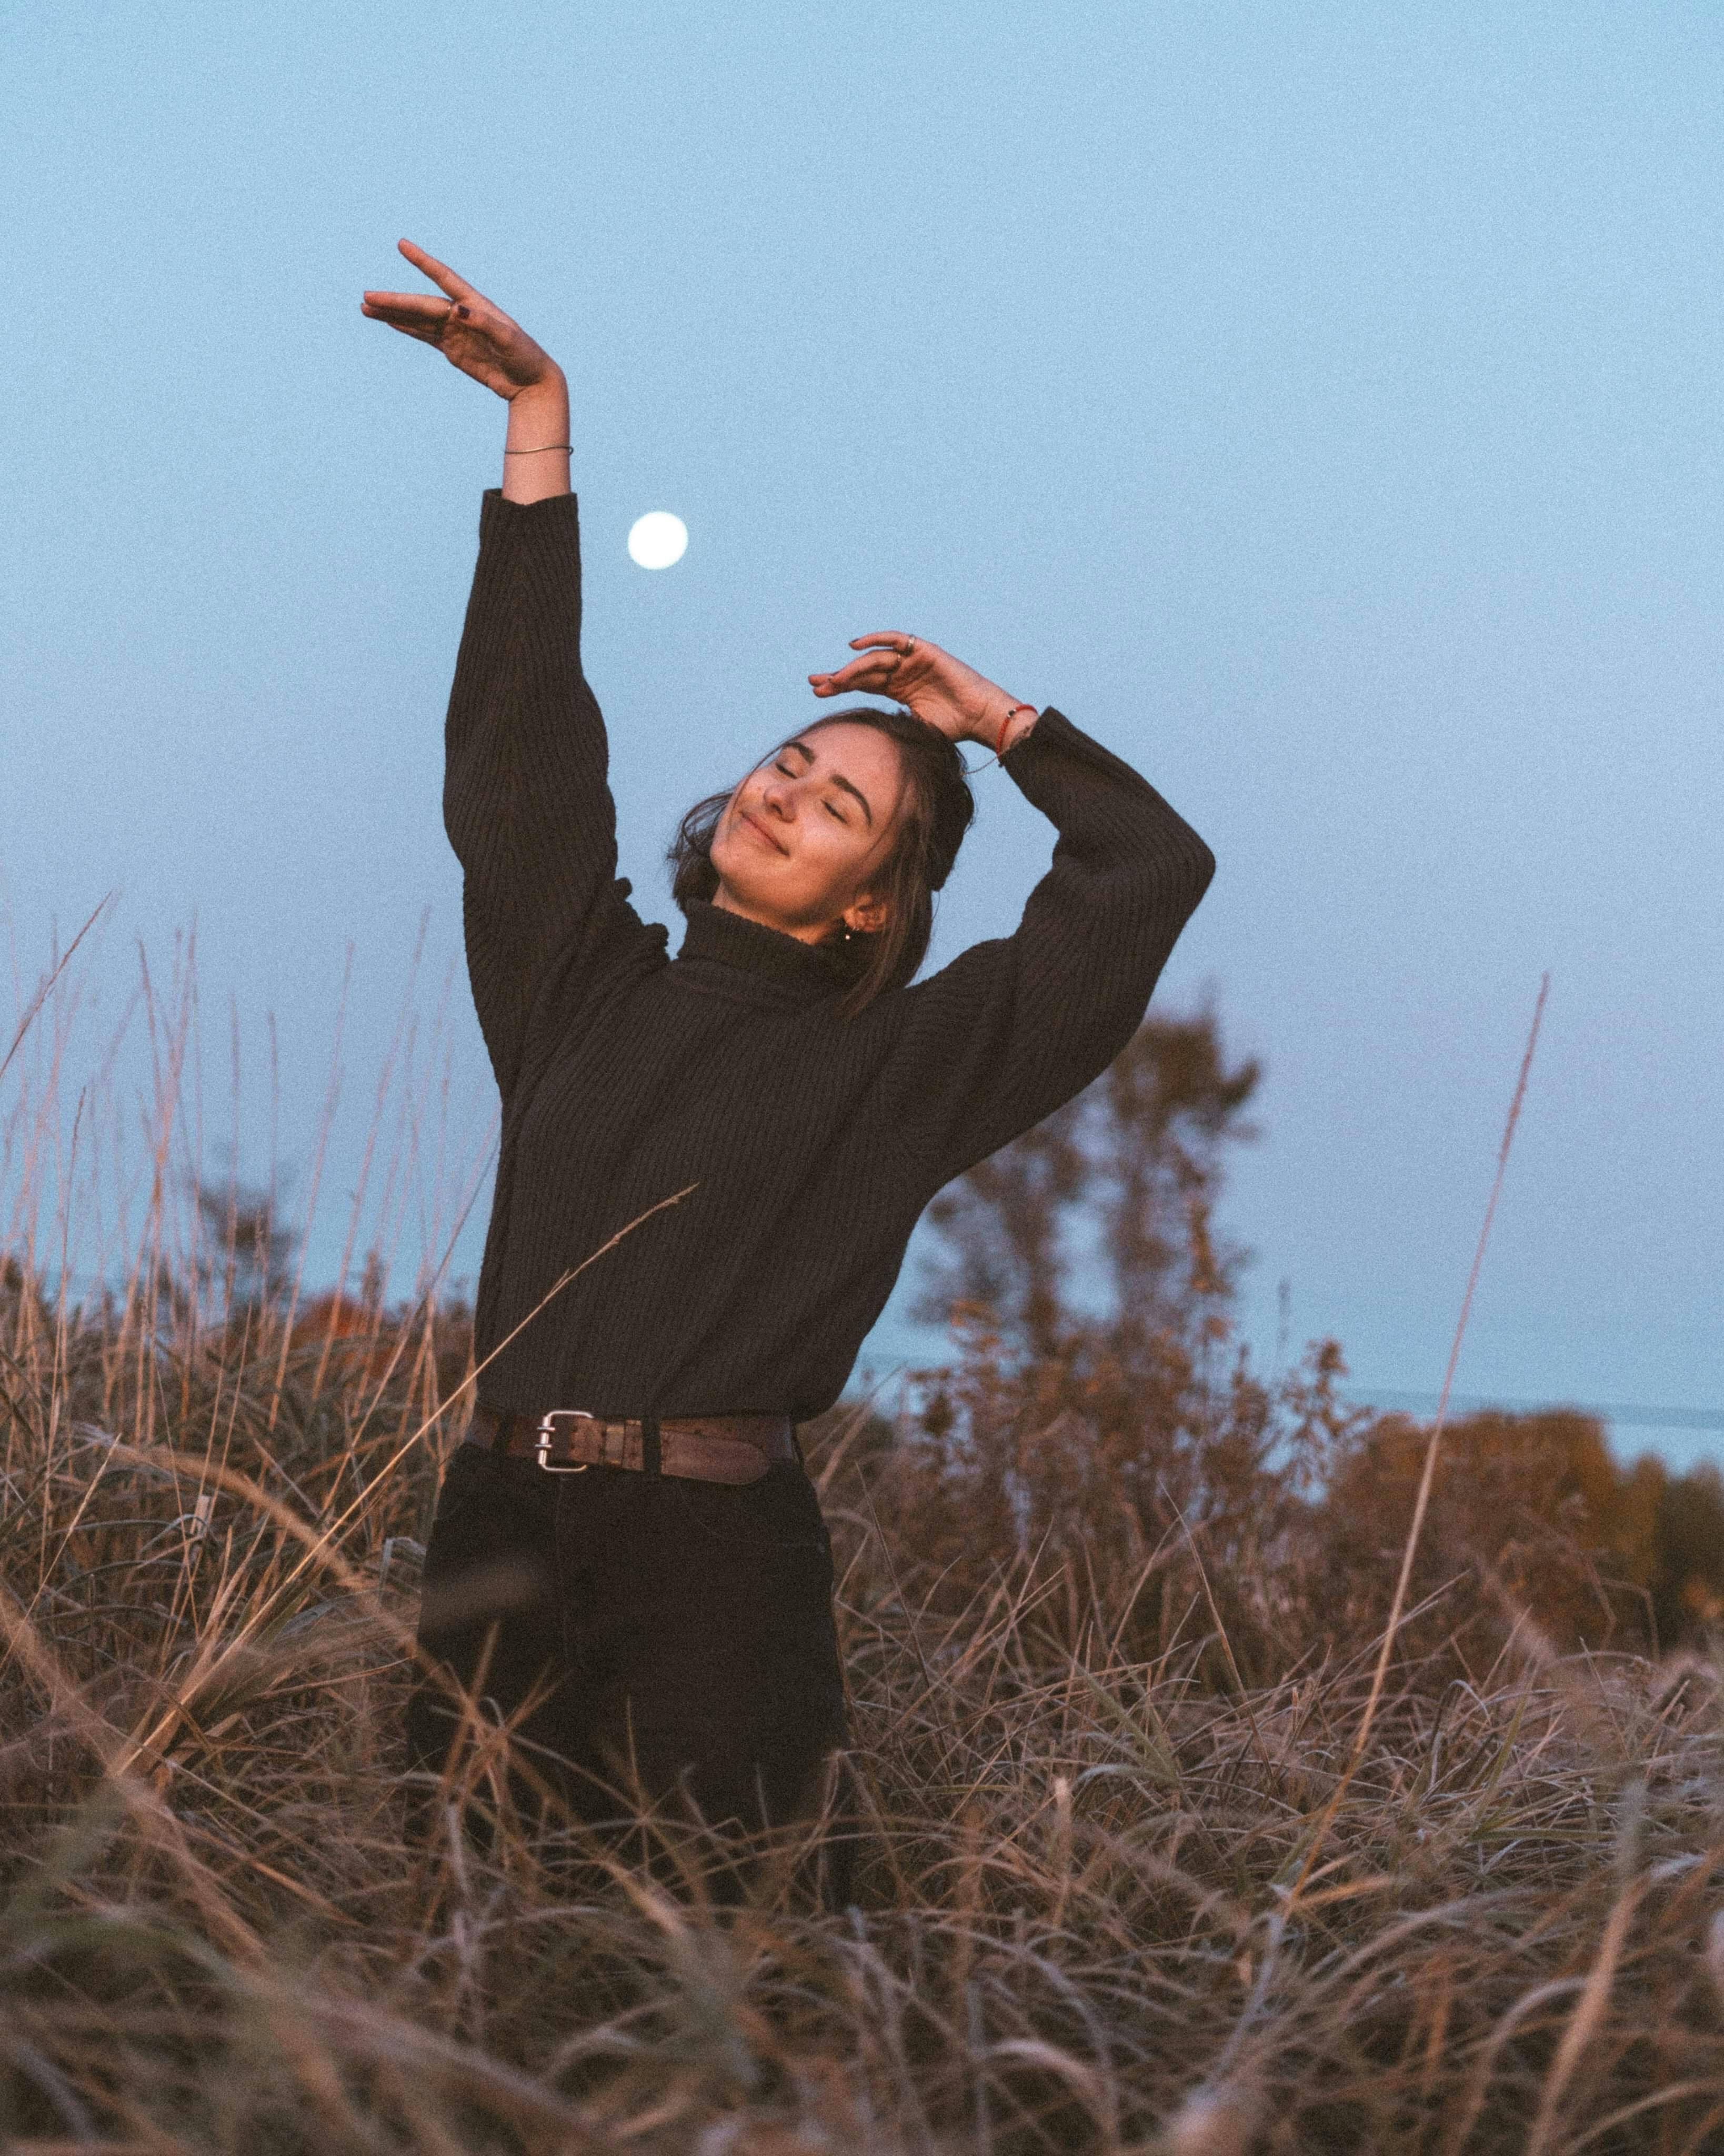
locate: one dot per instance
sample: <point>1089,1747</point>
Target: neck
<point>727,902</point>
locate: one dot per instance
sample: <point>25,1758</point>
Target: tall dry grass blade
<point>550,1294</point>
<point>385,1075</point>
<point>325,1123</point>
<point>1422,1500</point>
<point>423,1308</point>
<point>1585,2021</point>
<point>1240,1692</point>
<point>46,988</point>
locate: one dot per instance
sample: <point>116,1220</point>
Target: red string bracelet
<point>1005,726</point>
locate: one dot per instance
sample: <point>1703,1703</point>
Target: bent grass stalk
<point>47,983</point>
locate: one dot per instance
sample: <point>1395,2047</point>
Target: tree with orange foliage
<point>1527,1514</point>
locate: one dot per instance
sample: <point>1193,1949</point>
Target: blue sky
<point>1321,403</point>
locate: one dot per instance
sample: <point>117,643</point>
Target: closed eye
<point>836,813</point>
<point>844,785</point>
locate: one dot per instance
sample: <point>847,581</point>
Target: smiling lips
<point>761,831</point>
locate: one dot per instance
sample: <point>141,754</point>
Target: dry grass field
<point>1144,1865</point>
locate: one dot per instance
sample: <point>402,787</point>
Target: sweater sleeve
<point>526,803</point>
<point>1014,1027</point>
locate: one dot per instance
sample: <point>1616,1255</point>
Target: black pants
<point>680,1633</point>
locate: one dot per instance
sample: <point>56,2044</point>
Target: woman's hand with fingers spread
<point>938,689</point>
<point>469,332</point>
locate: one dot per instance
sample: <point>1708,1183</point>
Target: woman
<point>628,1561</point>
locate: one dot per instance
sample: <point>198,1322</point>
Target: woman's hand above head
<point>483,341</point>
<point>469,332</point>
<point>941,690</point>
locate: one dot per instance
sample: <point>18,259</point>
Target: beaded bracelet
<point>1005,726</point>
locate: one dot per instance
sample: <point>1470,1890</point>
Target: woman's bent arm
<point>1012,1029</point>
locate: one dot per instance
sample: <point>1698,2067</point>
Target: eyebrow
<point>837,779</point>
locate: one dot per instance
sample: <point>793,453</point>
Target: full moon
<point>656,539</point>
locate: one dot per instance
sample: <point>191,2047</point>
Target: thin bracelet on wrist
<point>543,449</point>
<point>1006,725</point>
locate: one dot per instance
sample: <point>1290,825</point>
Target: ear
<point>866,916</point>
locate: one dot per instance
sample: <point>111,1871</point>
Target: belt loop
<point>504,1430</point>
<point>652,1453</point>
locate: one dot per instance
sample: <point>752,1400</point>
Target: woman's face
<point>803,834</point>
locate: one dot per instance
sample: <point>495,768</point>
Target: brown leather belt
<point>699,1448</point>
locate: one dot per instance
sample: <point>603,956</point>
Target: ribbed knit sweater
<point>814,1142</point>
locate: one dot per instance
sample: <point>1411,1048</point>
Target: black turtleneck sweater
<point>813,1142</point>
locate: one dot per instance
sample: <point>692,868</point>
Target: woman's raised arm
<point>525,797</point>
<point>483,341</point>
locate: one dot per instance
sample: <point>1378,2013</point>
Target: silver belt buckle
<point>546,1437</point>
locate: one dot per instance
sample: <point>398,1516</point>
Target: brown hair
<point>933,816</point>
